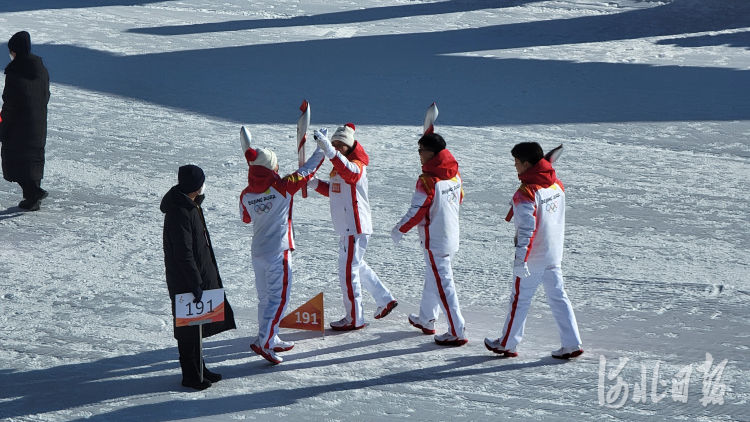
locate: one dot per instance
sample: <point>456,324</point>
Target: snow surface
<point>648,97</point>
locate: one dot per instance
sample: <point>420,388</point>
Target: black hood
<point>27,67</point>
<point>176,199</point>
<point>20,43</point>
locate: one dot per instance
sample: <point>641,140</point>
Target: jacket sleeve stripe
<point>322,188</point>
<point>420,205</point>
<point>243,212</point>
<point>350,171</point>
<point>299,178</point>
<point>355,207</point>
<point>526,227</point>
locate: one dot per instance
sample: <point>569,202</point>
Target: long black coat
<point>23,130</point>
<point>189,258</point>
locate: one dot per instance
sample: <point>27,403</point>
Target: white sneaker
<point>448,339</point>
<point>494,346</point>
<point>567,352</point>
<point>426,327</point>
<point>268,354</point>
<point>345,324</point>
<point>280,345</point>
<point>383,311</point>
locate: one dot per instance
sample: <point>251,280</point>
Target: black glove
<point>198,294</point>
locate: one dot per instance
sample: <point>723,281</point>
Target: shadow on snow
<point>334,18</point>
<point>389,79</point>
<point>65,387</point>
<point>736,39</point>
<point>28,5</point>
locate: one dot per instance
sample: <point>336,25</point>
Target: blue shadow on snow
<point>34,392</point>
<point>389,79</point>
<point>458,367</point>
<point>735,39</point>
<point>29,5</point>
<point>335,18</point>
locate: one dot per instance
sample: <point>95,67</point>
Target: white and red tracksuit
<point>350,212</point>
<point>434,210</point>
<point>267,203</point>
<point>539,217</point>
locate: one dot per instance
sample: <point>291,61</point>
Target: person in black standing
<point>191,268</point>
<point>23,126</point>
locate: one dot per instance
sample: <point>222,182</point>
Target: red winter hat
<point>345,134</point>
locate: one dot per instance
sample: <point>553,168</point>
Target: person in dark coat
<point>23,129</point>
<point>191,268</point>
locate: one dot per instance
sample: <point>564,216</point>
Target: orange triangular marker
<point>307,317</point>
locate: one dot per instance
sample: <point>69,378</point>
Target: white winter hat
<point>261,157</point>
<point>345,134</point>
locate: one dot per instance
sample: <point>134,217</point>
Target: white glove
<point>521,269</point>
<point>396,235</point>
<point>321,137</point>
<point>313,183</point>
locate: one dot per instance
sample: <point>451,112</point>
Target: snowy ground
<point>648,97</point>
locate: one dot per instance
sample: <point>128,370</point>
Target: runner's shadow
<point>454,368</point>
<point>24,393</point>
<point>11,212</point>
<point>156,372</point>
<point>239,348</point>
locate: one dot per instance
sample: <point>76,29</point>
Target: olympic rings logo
<point>551,207</point>
<point>264,207</point>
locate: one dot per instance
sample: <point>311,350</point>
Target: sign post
<point>209,309</point>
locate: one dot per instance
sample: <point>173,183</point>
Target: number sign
<point>309,316</point>
<point>209,309</point>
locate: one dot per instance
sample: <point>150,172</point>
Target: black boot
<point>190,375</point>
<point>196,384</point>
<point>32,194</point>
<point>190,363</point>
<point>30,204</point>
<point>211,376</point>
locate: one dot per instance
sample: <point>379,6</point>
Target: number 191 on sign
<point>209,309</point>
<point>306,318</point>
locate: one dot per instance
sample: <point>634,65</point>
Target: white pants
<point>521,294</point>
<point>355,273</point>
<point>440,293</point>
<point>273,281</point>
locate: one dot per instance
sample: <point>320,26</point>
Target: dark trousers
<point>32,189</point>
<point>190,362</point>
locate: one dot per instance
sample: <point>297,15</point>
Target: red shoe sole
<point>424,330</point>
<point>260,352</point>
<point>348,328</point>
<point>503,353</point>
<point>388,308</point>
<point>459,342</point>
<point>570,355</point>
<point>278,349</point>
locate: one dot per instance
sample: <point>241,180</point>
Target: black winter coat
<point>189,258</point>
<point>23,130</point>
